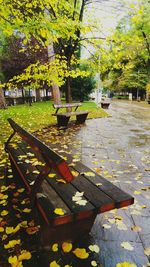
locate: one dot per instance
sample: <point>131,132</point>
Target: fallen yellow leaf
<point>54,264</point>
<point>127,246</point>
<point>25,255</point>
<point>61,181</point>
<point>136,228</point>
<point>88,174</point>
<point>12,243</point>
<point>94,248</point>
<point>1,229</point>
<point>13,260</point>
<point>66,247</point>
<point>55,247</point>
<point>81,253</point>
<point>75,173</point>
<point>59,211</point>
<point>94,263</point>
<point>137,192</point>
<point>125,264</point>
<point>26,210</point>
<point>51,175</point>
<point>147,251</point>
<point>4,213</point>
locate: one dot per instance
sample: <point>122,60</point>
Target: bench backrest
<point>67,105</point>
<point>52,158</point>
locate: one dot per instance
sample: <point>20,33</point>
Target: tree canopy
<point>125,57</point>
<point>57,23</point>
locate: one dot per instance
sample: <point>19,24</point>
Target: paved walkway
<point>117,147</point>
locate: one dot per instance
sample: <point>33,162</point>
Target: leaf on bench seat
<point>88,174</point>
<point>59,211</point>
<point>61,181</point>
<point>75,173</point>
<point>51,175</point>
<point>77,198</point>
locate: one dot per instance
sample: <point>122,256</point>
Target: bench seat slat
<point>111,190</point>
<point>27,170</point>
<point>67,105</point>
<point>67,195</point>
<point>97,197</point>
<point>50,202</point>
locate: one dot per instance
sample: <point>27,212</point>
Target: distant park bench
<point>63,117</point>
<point>105,103</point>
<point>68,196</point>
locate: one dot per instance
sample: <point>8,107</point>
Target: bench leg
<point>81,118</point>
<point>62,120</point>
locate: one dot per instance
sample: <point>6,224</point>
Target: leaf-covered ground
<point>19,231</point>
<point>117,148</point>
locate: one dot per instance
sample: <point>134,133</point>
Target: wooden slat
<point>26,168</point>
<point>67,105</point>
<point>68,114</point>
<point>97,197</point>
<point>66,192</point>
<point>49,203</point>
<point>111,190</point>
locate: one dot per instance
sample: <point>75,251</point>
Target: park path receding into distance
<point>118,147</point>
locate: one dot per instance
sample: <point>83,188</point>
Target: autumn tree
<point>125,57</point>
<point>58,24</point>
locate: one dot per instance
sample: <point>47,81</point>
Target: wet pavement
<point>118,148</point>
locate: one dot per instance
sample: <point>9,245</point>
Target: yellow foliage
<point>148,88</point>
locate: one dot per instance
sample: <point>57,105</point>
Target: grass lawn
<point>38,116</point>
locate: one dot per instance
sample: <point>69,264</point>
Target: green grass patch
<point>38,115</point>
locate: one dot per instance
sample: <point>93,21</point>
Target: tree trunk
<point>148,72</point>
<point>55,87</point>
<point>2,99</point>
<point>22,90</point>
<point>68,90</point>
<point>38,96</point>
<point>30,98</point>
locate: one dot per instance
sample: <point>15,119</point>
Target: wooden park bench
<point>63,117</point>
<point>105,103</point>
<point>67,196</point>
